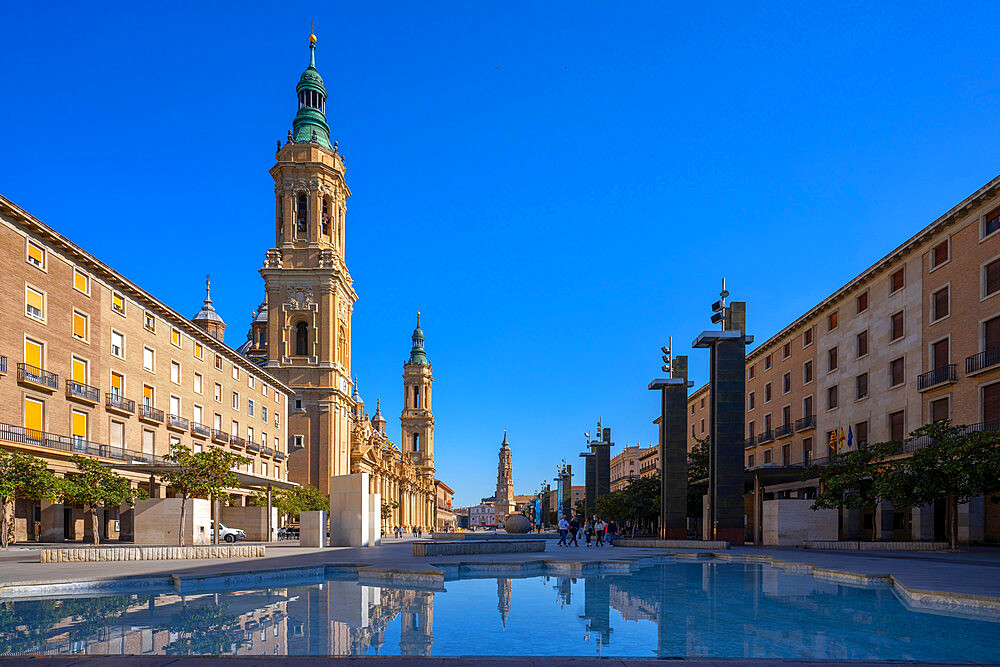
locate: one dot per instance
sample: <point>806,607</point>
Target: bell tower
<point>417,418</point>
<point>309,293</point>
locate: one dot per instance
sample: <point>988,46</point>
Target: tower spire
<point>418,357</point>
<point>310,124</point>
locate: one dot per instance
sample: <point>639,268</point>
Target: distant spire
<point>417,355</point>
<point>208,288</point>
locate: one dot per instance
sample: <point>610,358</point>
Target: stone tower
<point>309,293</point>
<point>208,319</point>
<point>417,418</point>
<point>503,501</point>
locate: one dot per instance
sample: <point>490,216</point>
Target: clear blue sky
<point>558,187</point>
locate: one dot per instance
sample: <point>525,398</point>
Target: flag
<point>833,440</point>
<point>850,438</point>
<point>842,439</point>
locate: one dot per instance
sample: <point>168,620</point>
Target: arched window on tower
<point>281,217</point>
<point>326,216</point>
<point>301,339</point>
<point>301,215</point>
<point>416,397</point>
<point>416,442</point>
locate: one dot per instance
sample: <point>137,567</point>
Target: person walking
<point>574,528</point>
<point>612,529</point>
<point>588,531</point>
<point>563,528</point>
<point>599,529</point>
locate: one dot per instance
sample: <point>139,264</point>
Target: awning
<point>246,480</point>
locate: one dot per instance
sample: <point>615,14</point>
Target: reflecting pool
<point>669,609</point>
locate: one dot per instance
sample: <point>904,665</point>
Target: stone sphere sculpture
<point>516,523</point>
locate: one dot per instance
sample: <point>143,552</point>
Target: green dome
<point>310,121</point>
<point>417,355</point>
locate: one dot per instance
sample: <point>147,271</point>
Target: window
<point>263,472</point>
<point>263,413</point>
<point>896,372</point>
<point>81,281</point>
<point>263,389</point>
<point>991,278</point>
<point>832,398</point>
<point>751,430</point>
<point>897,426</point>
<point>896,281</point>
<point>702,425</point>
<point>831,359</point>
<point>861,384</point>
<point>148,395</point>
<point>416,441</point>
<point>198,352</point>
<point>786,455</point>
<point>217,421</point>
<point>692,408</point>
<point>807,450</point>
<point>236,401</point>
<point>148,441</point>
<point>36,255</point>
<point>786,383</point>
<point>277,419</point>
<point>751,402</point>
<point>831,321</point>
<point>79,325</point>
<point>78,424</point>
<point>786,351</point>
<point>78,370</point>
<point>862,302</point>
<point>175,406</point>
<point>117,344</point>
<point>276,443</point>
<point>767,362</point>
<point>991,402</point>
<point>861,434</point>
<point>807,337</point>
<point>692,431</point>
<point>939,410</point>
<point>197,383</point>
<point>175,372</point>
<point>991,222</point>
<point>939,354</point>
<point>218,362</point>
<point>750,461</point>
<point>767,424</point>
<point>117,384</point>
<point>807,406</point>
<point>175,337</point>
<point>236,372</point>
<point>861,341</point>
<point>991,334</point>
<point>34,304</point>
<point>301,215</point>
<point>118,303</point>
<point>197,413</point>
<point>250,407</point>
<point>939,255</point>
<point>34,353</point>
<point>148,359</point>
<point>117,434</point>
<point>148,321</point>
<point>34,415</point>
<point>250,381</point>
<point>896,326</point>
<point>939,304</point>
<point>786,415</point>
<point>807,372</point>
<point>235,426</point>
<point>750,373</point>
<point>767,392</point>
<point>301,339</point>
<point>767,455</point>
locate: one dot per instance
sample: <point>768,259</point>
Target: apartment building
<point>913,339</point>
<point>649,461</point>
<point>625,467</point>
<point>92,364</point>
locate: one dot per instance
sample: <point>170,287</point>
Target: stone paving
<point>405,661</point>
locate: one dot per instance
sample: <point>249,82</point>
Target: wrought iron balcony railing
<point>149,413</point>
<point>253,447</point>
<point>37,376</point>
<point>219,435</point>
<point>766,436</point>
<point>237,441</point>
<point>71,444</point>
<point>176,421</point>
<point>807,422</point>
<point>200,429</point>
<point>82,391</point>
<point>119,402</point>
<point>784,430</point>
<point>936,376</point>
<point>982,361</point>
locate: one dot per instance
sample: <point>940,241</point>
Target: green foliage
<point>292,502</point>
<point>96,484</point>
<point>25,476</point>
<point>201,474</point>
<point>387,507</point>
<point>638,502</point>
<point>580,508</point>
<point>956,466</point>
<point>697,474</point>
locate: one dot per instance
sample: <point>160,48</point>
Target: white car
<point>226,533</point>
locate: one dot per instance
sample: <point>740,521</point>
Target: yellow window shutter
<point>116,382</point>
<point>33,353</point>
<point>79,325</point>
<point>175,337</point>
<point>147,393</point>
<point>79,371</point>
<point>34,299</point>
<point>118,302</point>
<point>80,281</point>
<point>35,254</point>
<point>79,425</point>
<point>33,414</point>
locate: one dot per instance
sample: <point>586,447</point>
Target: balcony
<point>766,436</point>
<point>806,423</point>
<point>253,446</point>
<point>200,430</point>
<point>150,414</point>
<point>749,442</point>
<point>84,393</point>
<point>3,365</point>
<point>237,441</point>
<point>983,361</point>
<point>266,451</point>
<point>220,436</point>
<point>120,404</point>
<point>37,377</point>
<point>71,445</point>
<point>938,376</point>
<point>177,423</point>
<point>279,456</point>
<point>784,431</point>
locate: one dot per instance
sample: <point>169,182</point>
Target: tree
<point>25,476</point>
<point>580,508</point>
<point>94,485</point>
<point>387,507</point>
<point>294,501</point>
<point>846,481</point>
<point>201,474</point>
<point>697,474</point>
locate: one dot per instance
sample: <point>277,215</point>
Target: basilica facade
<point>301,333</point>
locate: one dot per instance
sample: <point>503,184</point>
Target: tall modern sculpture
<point>673,444</point>
<point>597,467</point>
<point>727,395</point>
<point>564,491</point>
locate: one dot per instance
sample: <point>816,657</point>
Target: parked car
<point>226,533</point>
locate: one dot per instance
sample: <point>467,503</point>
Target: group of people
<point>397,531</point>
<point>596,530</point>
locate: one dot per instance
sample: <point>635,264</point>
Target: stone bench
<point>93,554</point>
<point>463,547</point>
